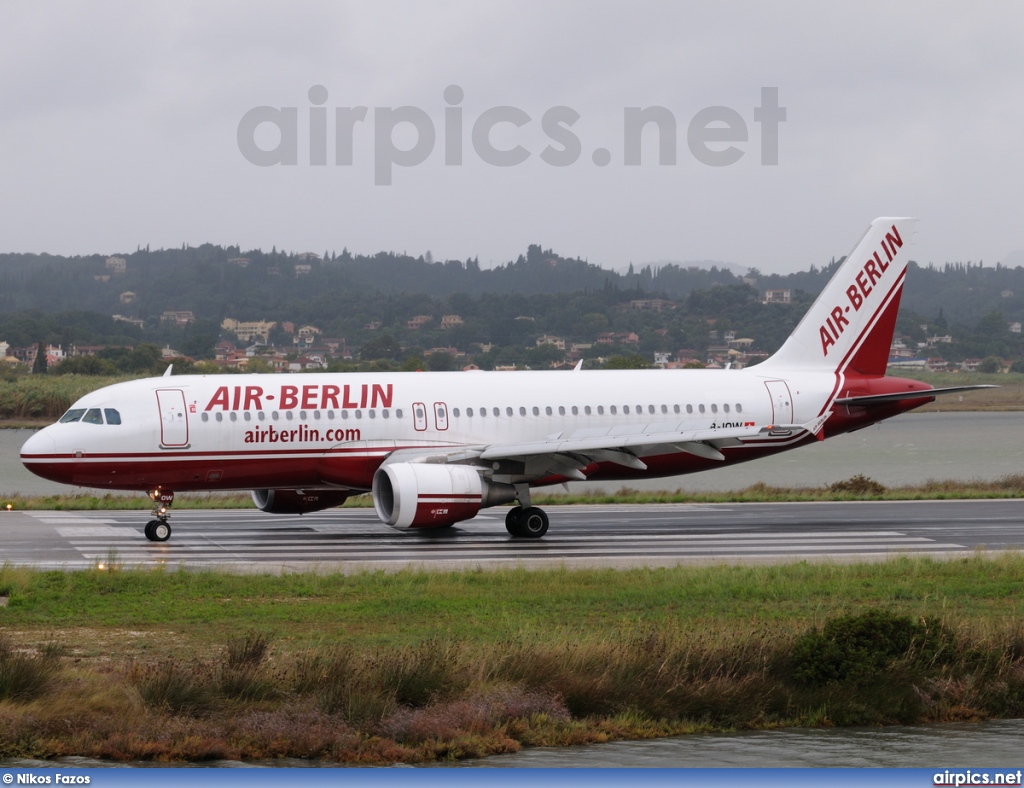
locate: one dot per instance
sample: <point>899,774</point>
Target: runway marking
<point>357,538</point>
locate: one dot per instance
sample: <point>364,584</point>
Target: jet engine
<point>424,495</point>
<point>297,501</point>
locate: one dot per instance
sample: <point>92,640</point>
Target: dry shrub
<point>25,676</point>
<point>478,716</point>
<point>858,485</point>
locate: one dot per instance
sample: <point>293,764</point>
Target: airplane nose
<point>41,443</point>
<point>38,455</point>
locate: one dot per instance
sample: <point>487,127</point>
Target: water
<point>909,449</point>
<point>995,744</point>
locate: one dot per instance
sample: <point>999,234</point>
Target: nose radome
<point>40,443</point>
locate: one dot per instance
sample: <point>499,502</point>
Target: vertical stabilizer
<point>849,327</point>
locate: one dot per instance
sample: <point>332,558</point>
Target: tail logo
<point>864,282</point>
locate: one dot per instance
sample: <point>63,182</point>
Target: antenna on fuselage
<point>167,372</point>
<point>579,366</point>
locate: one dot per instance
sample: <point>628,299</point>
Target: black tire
<point>512,520</point>
<point>533,523</point>
<point>157,531</point>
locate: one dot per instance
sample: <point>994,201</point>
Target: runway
<point>581,536</point>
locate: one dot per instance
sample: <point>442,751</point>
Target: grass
<point>410,667</point>
<point>857,488</point>
<point>27,399</point>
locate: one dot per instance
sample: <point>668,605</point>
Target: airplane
<point>434,448</point>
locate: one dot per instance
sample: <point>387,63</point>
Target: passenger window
<point>288,414</point>
<point>650,409</point>
<point>359,414</point>
<point>233,416</point>
<point>536,411</point>
<point>483,411</point>
<point>664,408</point>
<point>675,408</point>
<point>273,415</point>
<point>316,414</point>
<point>689,408</point>
<point>373,413</point>
<point>561,410</point>
<point>469,412</point>
<point>700,408</point>
<point>330,415</point>
<point>714,409</point>
<point>612,410</point>
<point>508,411</point>
<point>725,407</point>
<point>75,415</point>
<point>547,410</point>
<point>261,416</point>
<point>386,413</point>
<point>496,411</point>
<point>586,409</point>
<point>455,412</point>
<point>625,409</point>
<point>398,413</point>
<point>219,416</point>
<point>113,416</point>
<point>206,416</point>
<point>739,408</point>
<point>522,411</point>
<point>344,414</point>
<point>600,410</point>
<point>92,416</point>
<point>575,411</point>
<point>302,415</point>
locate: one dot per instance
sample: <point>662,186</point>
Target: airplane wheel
<point>533,523</point>
<point>158,531</point>
<point>512,520</point>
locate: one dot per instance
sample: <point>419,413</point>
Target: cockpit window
<point>92,416</point>
<point>114,416</point>
<point>75,414</point>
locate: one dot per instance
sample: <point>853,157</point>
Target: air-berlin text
<point>310,397</point>
<point>863,285</point>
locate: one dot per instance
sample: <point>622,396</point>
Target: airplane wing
<point>624,445</point>
<point>627,445</point>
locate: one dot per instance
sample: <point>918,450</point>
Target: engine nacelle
<point>297,501</point>
<point>425,495</point>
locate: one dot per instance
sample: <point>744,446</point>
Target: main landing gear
<point>526,521</point>
<point>530,523</point>
<point>158,529</point>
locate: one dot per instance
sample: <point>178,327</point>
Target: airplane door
<point>782,402</point>
<point>419,416</point>
<point>173,418</point>
<point>440,415</point>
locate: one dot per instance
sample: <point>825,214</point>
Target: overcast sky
<point>120,127</point>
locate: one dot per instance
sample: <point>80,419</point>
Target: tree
<point>39,366</point>
<point>990,364</point>
<point>631,361</point>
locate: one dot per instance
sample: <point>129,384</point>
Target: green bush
<point>859,649</point>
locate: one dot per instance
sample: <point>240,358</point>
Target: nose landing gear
<point>158,529</point>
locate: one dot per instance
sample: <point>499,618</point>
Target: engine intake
<point>297,501</point>
<point>423,495</point>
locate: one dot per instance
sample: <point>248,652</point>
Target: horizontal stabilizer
<point>899,396</point>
